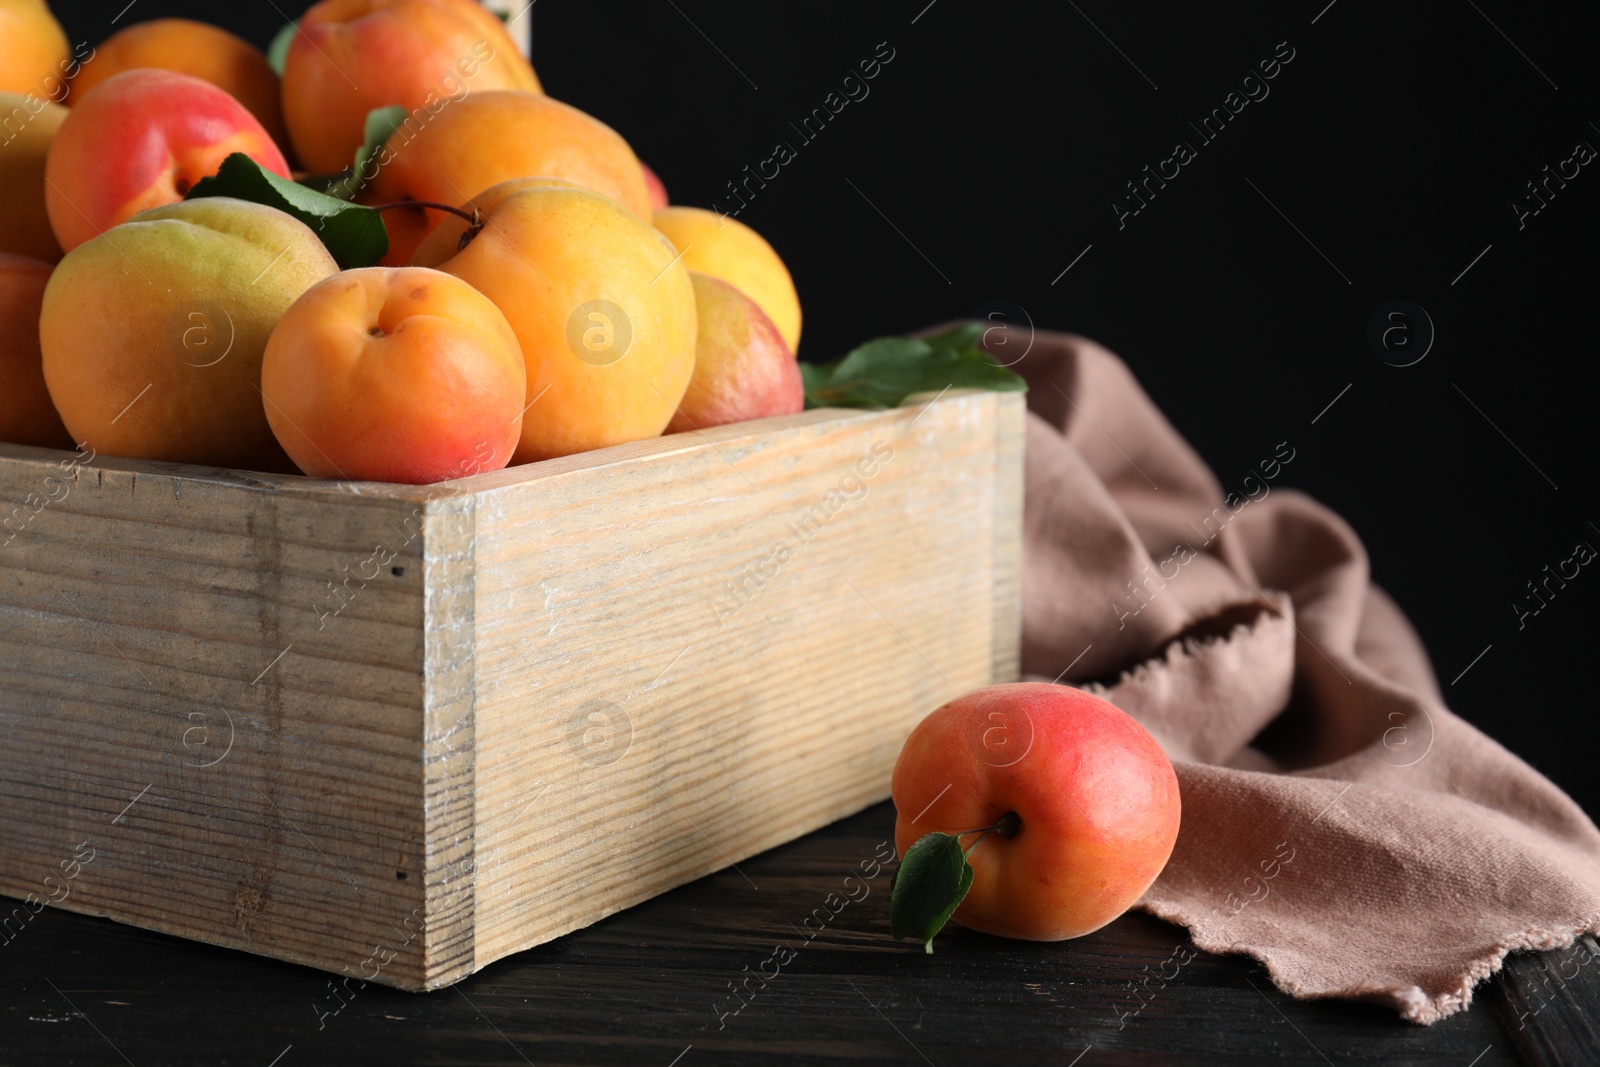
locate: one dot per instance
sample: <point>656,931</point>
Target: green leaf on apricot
<point>929,885</point>
<point>278,50</point>
<point>883,372</point>
<point>354,235</point>
<point>381,124</point>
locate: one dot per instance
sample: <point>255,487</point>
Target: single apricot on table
<point>489,138</point>
<point>1079,802</point>
<point>426,56</point>
<point>33,48</point>
<point>27,417</point>
<point>29,125</point>
<point>394,374</point>
<point>141,139</point>
<point>602,308</point>
<point>152,333</point>
<point>724,247</point>
<point>198,49</point>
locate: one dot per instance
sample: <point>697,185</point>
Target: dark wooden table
<point>651,987</point>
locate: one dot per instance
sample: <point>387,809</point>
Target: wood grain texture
<point>678,669</point>
<point>183,691</point>
<point>1548,1001</point>
<point>644,988</point>
<point>398,732</point>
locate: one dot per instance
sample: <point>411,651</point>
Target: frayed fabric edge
<point>1414,1003</point>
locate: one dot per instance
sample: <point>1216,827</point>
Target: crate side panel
<point>449,741</point>
<point>689,659</point>
<point>216,690</point>
<point>1010,429</point>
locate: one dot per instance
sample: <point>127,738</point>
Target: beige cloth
<point>1339,824</point>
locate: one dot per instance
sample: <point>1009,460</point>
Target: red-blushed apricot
<point>724,247</point>
<point>28,127</point>
<point>152,333</point>
<point>489,138</point>
<point>394,374</point>
<point>603,311</point>
<point>352,56</point>
<point>742,368</point>
<point>207,52</point>
<point>653,185</point>
<point>141,139</point>
<point>27,417</point>
<point>1089,801</point>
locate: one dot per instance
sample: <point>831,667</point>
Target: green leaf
<point>353,234</point>
<point>967,335</point>
<point>929,885</point>
<point>381,124</point>
<point>882,373</point>
<point>278,50</point>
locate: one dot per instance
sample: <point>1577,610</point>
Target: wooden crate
<point>400,732</point>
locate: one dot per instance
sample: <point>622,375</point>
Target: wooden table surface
<point>651,988</point>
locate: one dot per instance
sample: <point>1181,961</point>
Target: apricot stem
<point>1006,826</point>
<point>474,218</point>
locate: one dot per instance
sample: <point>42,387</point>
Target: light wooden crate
<point>547,693</point>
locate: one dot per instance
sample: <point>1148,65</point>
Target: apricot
<point>742,368</point>
<point>352,56</point>
<point>28,126</point>
<point>490,138</point>
<point>140,139</point>
<point>27,417</point>
<point>653,186</point>
<point>394,374</point>
<point>33,48</point>
<point>207,52</point>
<point>1085,800</point>
<point>603,310</point>
<point>152,333</point>
<point>726,248</point>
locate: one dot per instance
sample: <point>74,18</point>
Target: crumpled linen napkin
<point>1339,823</point>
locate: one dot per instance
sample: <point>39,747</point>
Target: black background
<point>985,160</point>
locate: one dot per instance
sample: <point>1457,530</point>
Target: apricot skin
<point>726,248</point>
<point>27,417</point>
<point>33,47</point>
<point>207,52</point>
<point>742,368</point>
<point>352,56</point>
<point>489,138</point>
<point>604,312</point>
<point>397,374</point>
<point>153,332</point>
<point>1096,796</point>
<point>27,128</point>
<point>141,139</point>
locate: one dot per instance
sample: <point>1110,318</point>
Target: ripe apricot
<point>152,333</point>
<point>33,49</point>
<point>394,374</point>
<point>28,126</point>
<point>352,56</point>
<point>207,52</point>
<point>27,417</point>
<point>140,139</point>
<point>726,248</point>
<point>490,138</point>
<point>742,368</point>
<point>603,310</point>
<point>1086,799</point>
<point>653,186</point>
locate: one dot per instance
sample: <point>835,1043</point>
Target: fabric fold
<point>1340,824</point>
